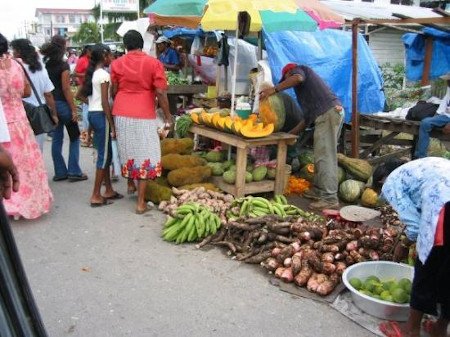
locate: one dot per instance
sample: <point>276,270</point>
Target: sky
<point>14,13</point>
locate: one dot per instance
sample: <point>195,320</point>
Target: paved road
<point>105,272</point>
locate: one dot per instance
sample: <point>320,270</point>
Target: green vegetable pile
<point>182,125</point>
<point>388,290</point>
<point>174,79</point>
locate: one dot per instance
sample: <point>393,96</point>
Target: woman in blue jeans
<point>96,89</point>
<point>59,73</point>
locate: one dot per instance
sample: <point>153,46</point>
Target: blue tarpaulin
<point>185,32</point>
<point>329,53</point>
<point>415,53</point>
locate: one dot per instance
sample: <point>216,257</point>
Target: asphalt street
<point>105,272</point>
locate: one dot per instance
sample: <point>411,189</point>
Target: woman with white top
<point>24,50</point>
<point>96,89</point>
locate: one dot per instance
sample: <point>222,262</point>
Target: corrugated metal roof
<point>369,10</point>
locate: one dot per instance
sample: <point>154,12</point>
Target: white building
<point>56,21</point>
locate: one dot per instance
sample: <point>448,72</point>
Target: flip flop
<point>100,204</point>
<point>143,211</point>
<point>390,329</point>
<point>115,196</point>
<point>80,177</point>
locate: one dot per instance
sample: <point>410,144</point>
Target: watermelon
<point>350,190</point>
<point>305,158</point>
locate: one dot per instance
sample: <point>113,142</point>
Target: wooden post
<point>355,113</point>
<point>427,61</point>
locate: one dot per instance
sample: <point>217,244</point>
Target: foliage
<point>88,32</point>
<point>393,75</point>
<point>396,95</point>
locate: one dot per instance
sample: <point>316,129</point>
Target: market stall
<point>241,188</point>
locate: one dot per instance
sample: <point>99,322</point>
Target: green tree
<point>88,32</point>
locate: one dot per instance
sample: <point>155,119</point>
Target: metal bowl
<point>383,270</point>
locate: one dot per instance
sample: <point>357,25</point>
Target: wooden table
<point>240,188</point>
<point>396,126</point>
<point>187,89</point>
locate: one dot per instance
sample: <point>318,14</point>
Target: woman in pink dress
<point>34,197</point>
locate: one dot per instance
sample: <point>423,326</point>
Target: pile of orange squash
<point>221,120</point>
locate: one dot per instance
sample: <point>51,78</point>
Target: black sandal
<point>78,178</point>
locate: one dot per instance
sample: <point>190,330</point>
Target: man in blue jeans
<point>441,119</point>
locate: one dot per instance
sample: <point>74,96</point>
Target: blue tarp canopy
<point>329,53</point>
<point>415,53</point>
<point>184,32</point>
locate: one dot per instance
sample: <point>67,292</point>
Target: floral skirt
<point>139,147</point>
<point>34,197</point>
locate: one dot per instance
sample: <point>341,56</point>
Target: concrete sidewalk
<point>105,272</point>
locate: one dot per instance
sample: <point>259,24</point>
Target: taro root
<point>296,263</point>
<point>271,264</point>
<point>373,255</point>
<point>287,262</point>
<point>276,251</point>
<point>327,257</point>
<point>328,268</point>
<point>287,275</point>
<point>352,245</point>
<point>340,267</point>
<point>279,271</point>
<point>303,276</point>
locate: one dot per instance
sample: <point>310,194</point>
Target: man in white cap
<point>441,119</point>
<point>168,55</point>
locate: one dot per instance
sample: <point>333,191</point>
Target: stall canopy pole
<point>427,61</point>
<point>233,78</point>
<point>101,21</point>
<point>355,113</point>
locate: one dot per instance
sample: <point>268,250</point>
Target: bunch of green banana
<point>254,207</point>
<point>192,221</point>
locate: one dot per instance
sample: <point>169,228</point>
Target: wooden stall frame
<point>240,188</point>
<point>355,28</point>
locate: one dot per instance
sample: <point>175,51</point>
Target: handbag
<point>421,111</point>
<point>40,117</point>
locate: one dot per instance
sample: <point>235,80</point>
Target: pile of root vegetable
<point>305,249</point>
<point>311,254</point>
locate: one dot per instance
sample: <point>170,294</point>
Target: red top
<point>81,67</point>
<point>138,76</point>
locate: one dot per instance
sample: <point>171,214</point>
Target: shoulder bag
<point>40,117</point>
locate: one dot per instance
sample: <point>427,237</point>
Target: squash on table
<point>194,117</point>
<point>271,110</point>
<point>251,131</point>
<point>215,120</point>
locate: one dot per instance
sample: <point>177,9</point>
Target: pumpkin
<point>215,120</point>
<point>251,131</point>
<point>360,169</point>
<point>194,117</point>
<point>221,124</point>
<point>228,124</point>
<point>307,172</point>
<point>271,110</point>
<point>369,198</point>
<point>350,190</point>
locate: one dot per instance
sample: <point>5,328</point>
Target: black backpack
<point>421,110</point>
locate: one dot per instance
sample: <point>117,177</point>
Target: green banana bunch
<point>254,207</point>
<point>192,221</point>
